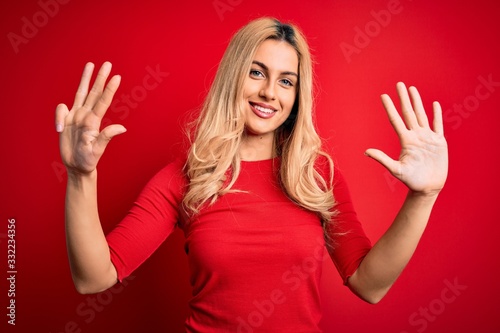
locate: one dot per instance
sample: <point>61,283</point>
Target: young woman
<point>259,201</point>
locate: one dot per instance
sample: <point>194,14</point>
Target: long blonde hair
<point>219,128</point>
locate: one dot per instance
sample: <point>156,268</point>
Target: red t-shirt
<point>255,257</point>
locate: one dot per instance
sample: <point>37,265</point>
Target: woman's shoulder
<point>325,165</point>
<point>329,168</point>
<point>172,174</point>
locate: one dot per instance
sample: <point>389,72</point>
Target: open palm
<point>81,142</point>
<point>423,161</point>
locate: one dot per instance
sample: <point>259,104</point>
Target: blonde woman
<point>259,201</point>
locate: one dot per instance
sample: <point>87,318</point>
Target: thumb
<point>382,158</point>
<point>106,135</point>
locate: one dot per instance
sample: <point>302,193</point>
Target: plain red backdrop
<point>447,49</point>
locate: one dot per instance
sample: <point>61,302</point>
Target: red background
<point>443,49</point>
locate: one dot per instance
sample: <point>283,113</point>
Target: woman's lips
<point>263,110</point>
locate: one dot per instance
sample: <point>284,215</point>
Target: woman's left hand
<point>423,161</point>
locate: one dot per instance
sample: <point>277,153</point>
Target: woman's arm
<point>423,168</point>
<point>81,146</point>
<point>88,251</point>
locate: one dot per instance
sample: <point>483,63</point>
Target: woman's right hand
<point>81,143</point>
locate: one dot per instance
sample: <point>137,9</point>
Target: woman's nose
<point>268,91</point>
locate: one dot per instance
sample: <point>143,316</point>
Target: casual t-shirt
<point>255,257</point>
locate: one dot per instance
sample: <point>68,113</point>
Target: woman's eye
<point>287,82</point>
<point>256,73</point>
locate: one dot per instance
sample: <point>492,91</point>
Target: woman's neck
<point>257,147</point>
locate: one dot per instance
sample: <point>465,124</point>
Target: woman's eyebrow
<point>267,69</point>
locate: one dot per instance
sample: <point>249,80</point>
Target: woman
<point>256,196</point>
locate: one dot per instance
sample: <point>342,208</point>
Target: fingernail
<point>59,128</point>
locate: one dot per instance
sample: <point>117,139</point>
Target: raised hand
<point>423,160</point>
<point>81,142</point>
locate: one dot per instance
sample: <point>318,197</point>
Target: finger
<point>396,121</point>
<point>418,107</point>
<point>61,114</point>
<point>437,122</point>
<point>386,161</point>
<point>83,88</point>
<point>406,107</point>
<point>107,96</point>
<point>97,88</point>
<point>106,135</point>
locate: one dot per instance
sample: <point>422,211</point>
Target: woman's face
<point>270,88</point>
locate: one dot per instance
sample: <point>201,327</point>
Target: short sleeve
<point>152,218</point>
<point>348,243</point>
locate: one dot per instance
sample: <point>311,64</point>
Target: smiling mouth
<point>262,108</point>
